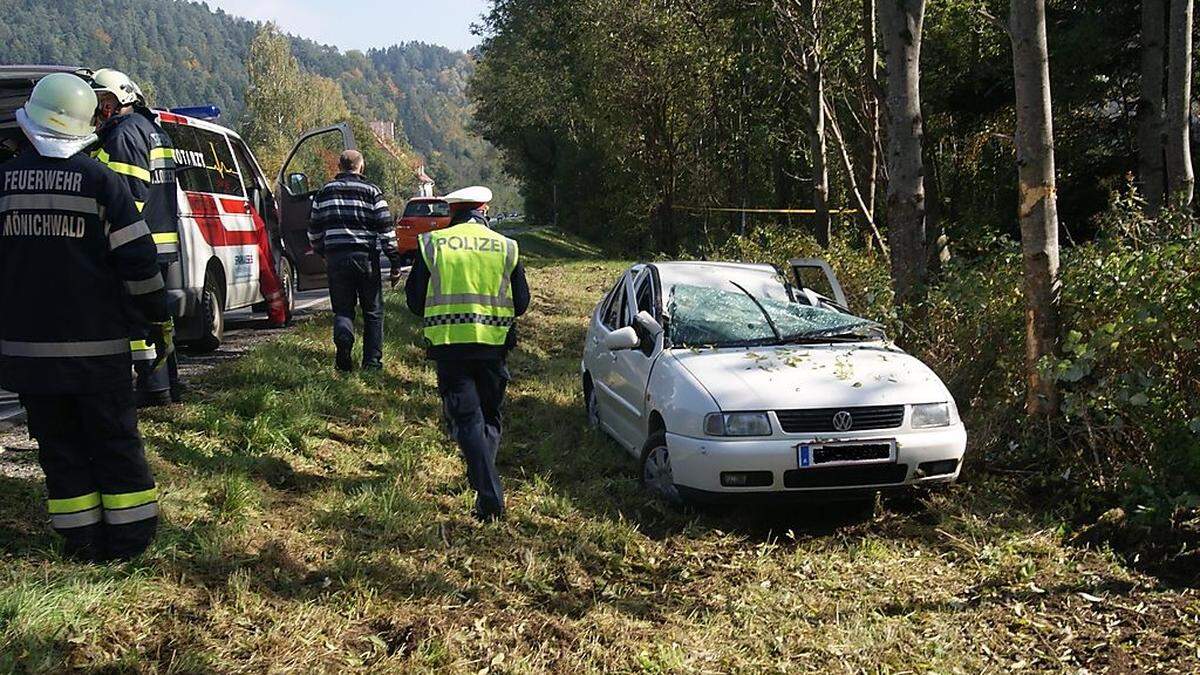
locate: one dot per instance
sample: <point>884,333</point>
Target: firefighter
<point>133,145</point>
<point>468,285</point>
<point>76,261</point>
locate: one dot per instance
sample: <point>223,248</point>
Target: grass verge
<point>316,522</point>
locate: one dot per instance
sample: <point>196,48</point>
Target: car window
<point>614,307</point>
<point>724,314</point>
<point>427,209</point>
<point>645,295</point>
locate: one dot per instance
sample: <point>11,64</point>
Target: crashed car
<point>731,382</point>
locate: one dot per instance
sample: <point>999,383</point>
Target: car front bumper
<point>697,464</point>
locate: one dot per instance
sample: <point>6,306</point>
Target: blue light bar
<point>200,112</point>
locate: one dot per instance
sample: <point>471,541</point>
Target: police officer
<point>133,145</point>
<point>75,256</point>
<point>469,286</point>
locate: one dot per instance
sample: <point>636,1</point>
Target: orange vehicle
<point>421,215</point>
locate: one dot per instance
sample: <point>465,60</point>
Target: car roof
<point>695,269</point>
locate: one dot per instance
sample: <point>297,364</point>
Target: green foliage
<point>1129,371</point>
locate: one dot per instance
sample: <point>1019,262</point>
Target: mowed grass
<point>321,523</point>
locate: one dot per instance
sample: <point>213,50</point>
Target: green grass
<point>315,522</point>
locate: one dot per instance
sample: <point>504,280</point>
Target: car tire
<point>860,510</point>
<point>212,316</point>
<point>287,278</point>
<point>656,475</point>
<point>589,401</point>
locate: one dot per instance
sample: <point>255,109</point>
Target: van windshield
<point>727,315</point>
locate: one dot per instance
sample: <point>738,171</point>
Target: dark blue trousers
<point>472,392</point>
<point>353,281</point>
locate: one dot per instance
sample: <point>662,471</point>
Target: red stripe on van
<point>208,218</point>
<point>171,117</point>
<point>238,206</point>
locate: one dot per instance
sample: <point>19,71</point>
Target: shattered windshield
<point>729,316</point>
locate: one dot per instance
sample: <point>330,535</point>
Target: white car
<point>729,381</point>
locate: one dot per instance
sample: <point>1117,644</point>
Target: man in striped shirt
<point>350,224</point>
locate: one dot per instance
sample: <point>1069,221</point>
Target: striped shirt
<point>351,214</point>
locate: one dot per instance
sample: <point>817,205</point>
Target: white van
<point>229,217</point>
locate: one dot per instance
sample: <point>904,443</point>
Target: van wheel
<point>287,278</point>
<point>656,469</point>
<point>212,315</point>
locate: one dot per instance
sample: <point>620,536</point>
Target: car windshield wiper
<point>842,334</point>
<point>759,305</point>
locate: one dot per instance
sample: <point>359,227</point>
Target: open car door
<point>816,280</point>
<point>312,162</point>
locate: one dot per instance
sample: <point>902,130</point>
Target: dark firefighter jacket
<point>136,147</point>
<point>74,254</point>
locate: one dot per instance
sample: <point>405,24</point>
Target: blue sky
<point>361,24</point>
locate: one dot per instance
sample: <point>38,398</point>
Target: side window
<point>250,177</point>
<point>645,295</point>
<point>614,308</point>
<point>222,169</point>
<point>191,167</point>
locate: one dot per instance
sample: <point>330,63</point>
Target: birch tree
<point>1038,209</point>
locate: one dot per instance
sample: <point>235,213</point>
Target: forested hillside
<point>190,54</point>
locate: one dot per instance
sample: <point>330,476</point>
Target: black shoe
<point>152,399</point>
<point>372,367</point>
<point>344,363</point>
<point>488,517</point>
<point>177,394</point>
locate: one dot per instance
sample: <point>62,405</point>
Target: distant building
<point>424,183</point>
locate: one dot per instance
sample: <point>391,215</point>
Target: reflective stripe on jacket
<point>469,300</point>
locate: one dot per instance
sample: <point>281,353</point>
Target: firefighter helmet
<point>116,83</point>
<point>62,104</point>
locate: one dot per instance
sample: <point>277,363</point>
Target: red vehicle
<point>421,215</point>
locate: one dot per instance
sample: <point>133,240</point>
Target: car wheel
<point>656,469</point>
<point>593,411</point>
<point>287,278</point>
<point>212,315</point>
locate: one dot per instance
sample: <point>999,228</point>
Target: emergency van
<point>233,229</point>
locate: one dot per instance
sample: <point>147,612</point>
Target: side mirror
<point>648,324</point>
<point>297,184</point>
<point>622,338</point>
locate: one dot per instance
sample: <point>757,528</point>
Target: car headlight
<point>930,415</point>
<point>737,424</point>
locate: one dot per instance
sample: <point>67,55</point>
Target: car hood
<point>820,376</point>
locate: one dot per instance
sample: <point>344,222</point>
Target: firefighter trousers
<point>472,392</point>
<point>102,497</point>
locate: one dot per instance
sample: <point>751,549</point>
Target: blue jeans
<point>472,392</point>
<point>354,280</point>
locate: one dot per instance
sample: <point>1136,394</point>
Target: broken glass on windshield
<point>703,315</point>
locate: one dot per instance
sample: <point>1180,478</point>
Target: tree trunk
<point>1038,204</point>
<point>901,22</point>
<point>817,149</point>
<point>814,73</point>
<point>870,74</point>
<point>1151,119</point>
<point>1180,179</point>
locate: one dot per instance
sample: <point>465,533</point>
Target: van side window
<point>191,167</point>
<point>250,177</point>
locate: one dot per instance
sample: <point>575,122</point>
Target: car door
<point>631,367</point>
<point>816,276</point>
<point>609,317</point>
<point>310,164</point>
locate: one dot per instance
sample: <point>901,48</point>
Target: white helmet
<point>57,118</point>
<point>116,83</point>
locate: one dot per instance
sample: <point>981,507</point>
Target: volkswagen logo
<point>842,421</point>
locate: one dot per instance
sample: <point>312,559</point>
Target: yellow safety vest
<point>469,300</point>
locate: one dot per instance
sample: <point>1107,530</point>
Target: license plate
<point>845,452</point>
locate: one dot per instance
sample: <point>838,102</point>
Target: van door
<point>311,163</point>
